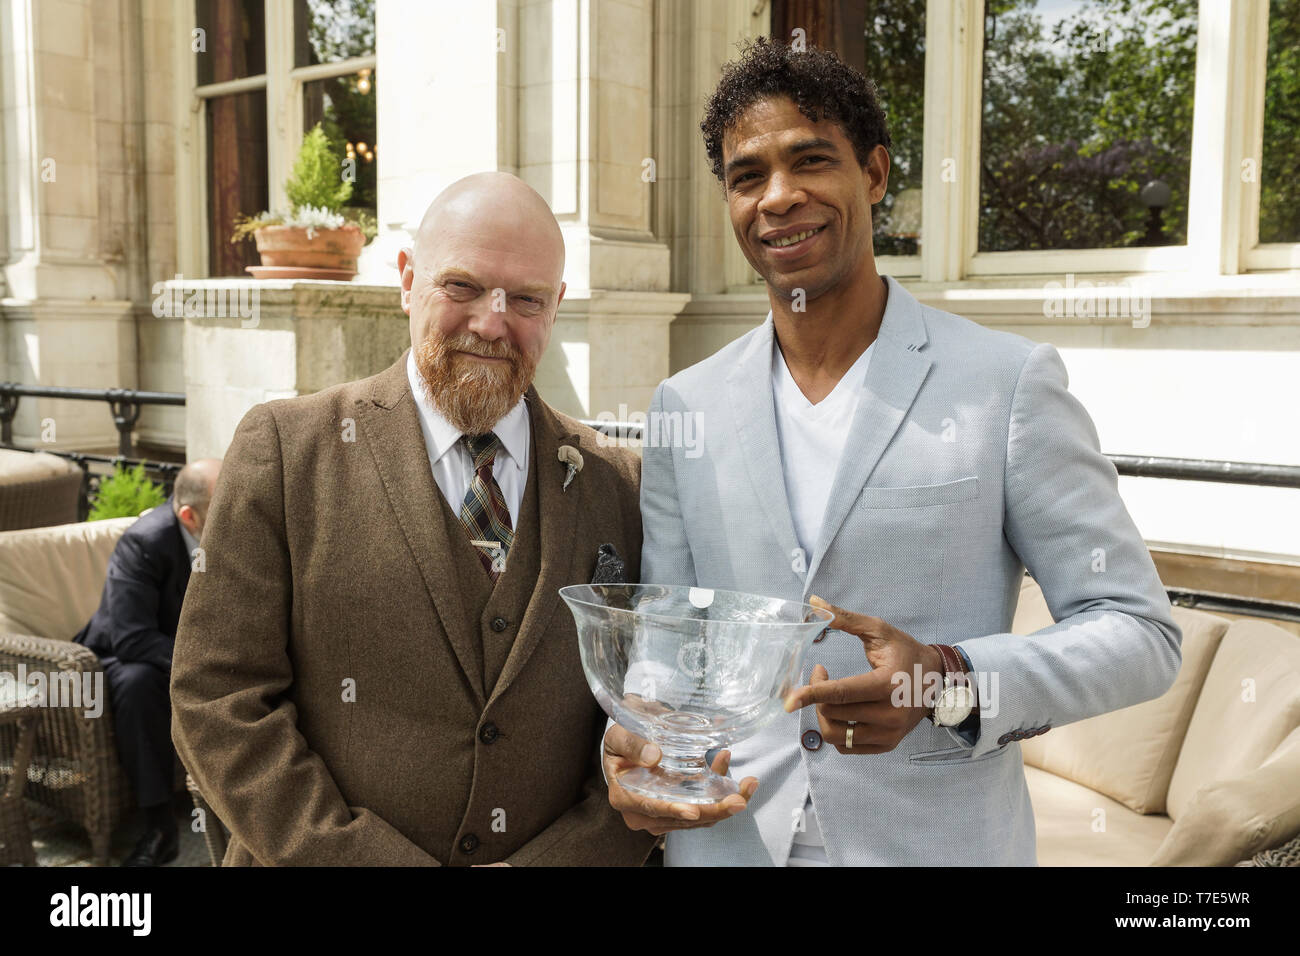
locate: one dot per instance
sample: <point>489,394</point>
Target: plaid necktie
<point>483,513</point>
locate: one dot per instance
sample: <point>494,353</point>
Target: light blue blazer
<point>967,462</point>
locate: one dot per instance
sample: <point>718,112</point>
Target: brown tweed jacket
<point>328,688</point>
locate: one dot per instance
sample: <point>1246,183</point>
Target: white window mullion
<point>1221,134</point>
<point>1255,255</point>
<point>326,71</point>
<point>245,84</point>
<point>1250,129</point>
<point>283,114</point>
<point>953,94</point>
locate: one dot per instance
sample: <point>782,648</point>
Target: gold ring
<point>848,737</point>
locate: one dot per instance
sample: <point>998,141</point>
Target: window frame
<point>1223,211</point>
<point>968,49</point>
<point>283,84</point>
<point>1251,23</point>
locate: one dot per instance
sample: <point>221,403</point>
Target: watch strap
<point>951,661</point>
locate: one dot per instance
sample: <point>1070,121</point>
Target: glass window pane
<point>1279,186</point>
<point>895,62</point>
<point>885,39</point>
<point>1087,123</point>
<point>234,39</point>
<point>345,108</point>
<point>326,31</point>
<point>237,183</point>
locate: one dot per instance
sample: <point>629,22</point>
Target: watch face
<point>954,706</point>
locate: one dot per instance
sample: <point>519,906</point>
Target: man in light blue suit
<point>903,463</point>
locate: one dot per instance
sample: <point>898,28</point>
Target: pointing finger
<point>864,626</point>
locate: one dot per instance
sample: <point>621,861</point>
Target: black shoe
<point>156,847</point>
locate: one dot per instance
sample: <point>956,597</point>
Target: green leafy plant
<point>245,226</point>
<point>317,192</point>
<point>126,493</point>
<point>363,220</point>
<point>316,179</point>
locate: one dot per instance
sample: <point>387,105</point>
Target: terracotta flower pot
<point>288,253</point>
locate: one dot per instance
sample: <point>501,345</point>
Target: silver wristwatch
<point>957,699</point>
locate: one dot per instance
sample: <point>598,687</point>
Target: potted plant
<point>319,238</point>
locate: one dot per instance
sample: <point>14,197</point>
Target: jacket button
<point>499,624</point>
<point>488,733</point>
<point>811,740</point>
<point>468,843</point>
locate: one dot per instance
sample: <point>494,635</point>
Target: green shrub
<point>125,494</point>
<point>317,178</point>
<point>317,192</point>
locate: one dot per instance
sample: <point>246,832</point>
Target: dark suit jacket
<point>329,576</point>
<point>141,605</point>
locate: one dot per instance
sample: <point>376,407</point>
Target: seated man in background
<point>132,633</point>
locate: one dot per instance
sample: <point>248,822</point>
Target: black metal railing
<point>1207,469</point>
<point>1177,469</point>
<point>164,472</point>
<point>124,403</point>
<point>1137,466</point>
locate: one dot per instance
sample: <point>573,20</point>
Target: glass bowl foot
<point>666,783</point>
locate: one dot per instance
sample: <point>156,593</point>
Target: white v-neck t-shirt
<point>812,439</point>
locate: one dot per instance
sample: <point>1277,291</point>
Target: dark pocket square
<point>609,567</point>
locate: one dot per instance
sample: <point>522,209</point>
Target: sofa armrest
<point>1229,820</point>
<point>1288,854</point>
<point>75,721</point>
<point>43,651</point>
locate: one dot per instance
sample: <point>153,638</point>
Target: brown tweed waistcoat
<point>507,599</point>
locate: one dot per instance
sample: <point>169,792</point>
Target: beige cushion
<point>18,467</point>
<point>1230,820</point>
<point>1066,817</point>
<point>1128,754</point>
<point>1231,736</point>
<point>51,579</point>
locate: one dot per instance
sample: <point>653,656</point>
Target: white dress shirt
<point>191,542</point>
<point>453,468</point>
<point>812,441</point>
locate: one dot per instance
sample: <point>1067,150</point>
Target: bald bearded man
<point>374,668</point>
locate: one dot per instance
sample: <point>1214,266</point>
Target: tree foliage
<point>1079,116</point>
<point>1279,203</point>
<point>895,61</point>
<point>339,30</point>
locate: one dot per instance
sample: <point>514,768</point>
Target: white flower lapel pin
<point>571,457</point>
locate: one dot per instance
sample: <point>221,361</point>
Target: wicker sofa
<point>37,489</point>
<point>1206,775</point>
<point>51,580</point>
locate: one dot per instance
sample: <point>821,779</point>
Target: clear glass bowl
<point>690,669</point>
